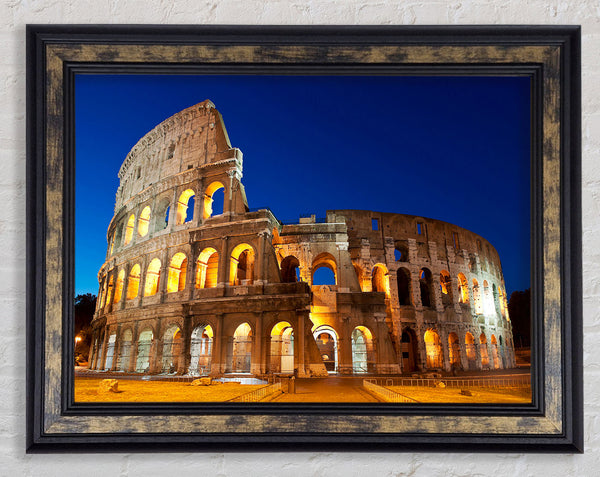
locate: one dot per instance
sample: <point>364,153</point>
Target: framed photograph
<point>304,238</point>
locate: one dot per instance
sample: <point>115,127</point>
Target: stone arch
<point>171,351</point>
<point>209,195</point>
<point>485,359</point>
<point>110,350</point>
<point>161,217</point>
<point>125,343</point>
<point>477,301</point>
<point>152,277</point>
<point>144,221</point>
<point>327,342</point>
<point>404,286</point>
<point>177,273</point>
<point>201,343</point>
<point>463,288</point>
<point>129,229</point>
<point>471,351</point>
<point>119,286</point>
<point>290,271</point>
<point>282,348</point>
<point>144,348</point>
<point>454,350</point>
<point>380,279</point>
<point>185,207</point>
<point>133,282</point>
<point>408,349</point>
<point>433,348</point>
<point>207,267</point>
<point>425,283</point>
<point>109,289</point>
<point>239,353</point>
<point>242,265</point>
<point>325,260</point>
<point>446,287</point>
<point>495,353</point>
<point>400,252</point>
<point>363,357</point>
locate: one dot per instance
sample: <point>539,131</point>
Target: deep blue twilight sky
<point>449,148</point>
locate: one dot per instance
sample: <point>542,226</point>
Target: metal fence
<point>258,394</point>
<point>453,382</point>
<point>385,394</point>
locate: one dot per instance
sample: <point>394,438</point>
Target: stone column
<point>260,275</point>
<point>223,269</point>
<point>216,366</point>
<point>345,348</point>
<point>164,275</point>
<point>185,357</point>
<point>299,332</point>
<point>256,358</point>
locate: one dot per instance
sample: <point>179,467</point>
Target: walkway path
<point>331,389</point>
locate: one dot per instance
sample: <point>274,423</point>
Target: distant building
<point>188,289</point>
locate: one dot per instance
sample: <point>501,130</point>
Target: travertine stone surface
<point>15,14</point>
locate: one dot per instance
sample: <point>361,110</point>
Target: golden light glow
<point>119,287</point>
<point>485,359</point>
<point>207,267</point>
<point>241,264</point>
<point>380,279</point>
<point>208,199</point>
<point>152,278</point>
<point>463,288</point>
<point>110,289</point>
<point>129,229</point>
<point>433,349</point>
<point>133,284</point>
<point>177,273</point>
<point>182,205</point>
<point>144,222</point>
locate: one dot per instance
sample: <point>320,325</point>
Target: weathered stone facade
<point>190,290</point>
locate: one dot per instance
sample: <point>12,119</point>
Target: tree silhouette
<point>519,309</point>
<point>85,306</point>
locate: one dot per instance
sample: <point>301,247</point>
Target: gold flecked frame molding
<point>56,419</point>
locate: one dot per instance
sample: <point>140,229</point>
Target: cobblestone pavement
<point>331,389</point>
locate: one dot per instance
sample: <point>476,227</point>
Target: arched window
<point>290,272</point>
<point>119,287</point>
<point>282,348</point>
<point>425,285</point>
<point>409,350</point>
<point>324,260</point>
<point>400,252</point>
<point>495,353</point>
<point>144,222</point>
<point>110,289</point>
<point>483,350</point>
<point>185,207</point>
<point>201,350</point>
<point>110,351</point>
<point>379,279</point>
<point>207,267</point>
<point>161,215</point>
<point>327,339</point>
<point>363,360</point>
<point>213,200</point>
<point>404,294</point>
<point>477,298</point>
<point>125,350</point>
<point>177,273</point>
<point>171,349</point>
<point>152,278</point>
<point>133,283</point>
<point>129,229</point>
<point>446,287</point>
<point>470,351</point>
<point>463,288</point>
<point>242,265</point>
<point>142,364</point>
<point>239,357</point>
<point>433,348</point>
<point>454,350</point>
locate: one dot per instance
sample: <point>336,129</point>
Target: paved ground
<point>331,389</point>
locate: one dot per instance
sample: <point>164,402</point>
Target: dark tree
<point>519,309</point>
<point>85,306</point>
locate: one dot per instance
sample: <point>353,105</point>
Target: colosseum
<point>190,289</point>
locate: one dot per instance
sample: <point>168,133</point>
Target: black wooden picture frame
<point>549,55</point>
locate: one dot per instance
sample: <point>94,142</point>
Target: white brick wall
<point>14,14</point>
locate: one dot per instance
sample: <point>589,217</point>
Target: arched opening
<point>201,350</point>
<point>161,217</point>
<point>326,339</point>
<point>327,262</point>
<point>404,294</point>
<point>185,207</point>
<point>242,265</point>
<point>119,287</point>
<point>380,279</point>
<point>214,198</point>
<point>409,350</point>
<point>109,291</point>
<point>495,298</point>
<point>425,283</point>
<point>471,351</point>
<point>133,282</point>
<point>125,350</point>
<point>177,273</point>
<point>446,288</point>
<point>129,229</point>
<point>152,277</point>
<point>477,298</point>
<point>282,348</point>
<point>207,267</point>
<point>463,288</point>
<point>171,349</point>
<point>433,348</point>
<point>144,222</point>
<point>454,351</point>
<point>110,351</point>
<point>488,305</point>
<point>142,364</point>
<point>290,271</point>
<point>483,350</point>
<point>239,356</point>
<point>495,354</point>
<point>400,252</point>
<point>363,359</point>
